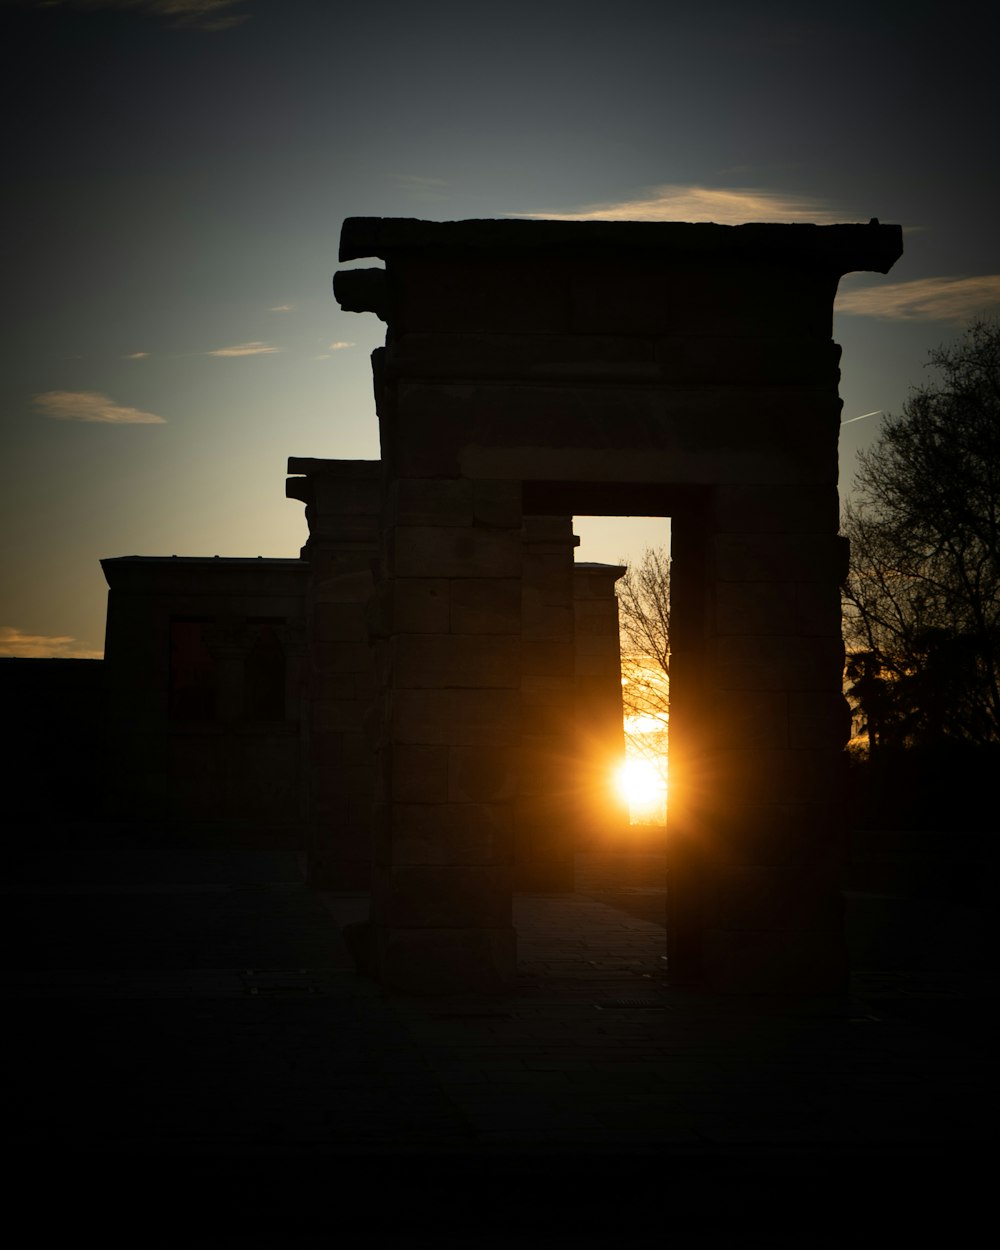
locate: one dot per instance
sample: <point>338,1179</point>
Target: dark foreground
<point>194,1061</point>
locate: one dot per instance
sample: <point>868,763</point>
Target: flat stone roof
<point>255,561</point>
<point>265,575</point>
<point>846,247</point>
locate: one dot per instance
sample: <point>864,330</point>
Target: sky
<point>177,172</point>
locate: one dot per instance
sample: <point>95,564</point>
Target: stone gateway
<point>541,369</point>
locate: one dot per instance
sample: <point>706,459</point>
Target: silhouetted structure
<point>203,702</point>
<point>533,371</point>
<point>240,698</point>
<point>537,368</point>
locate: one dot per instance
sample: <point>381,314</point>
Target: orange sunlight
<point>642,783</point>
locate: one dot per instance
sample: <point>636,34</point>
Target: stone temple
<point>429,697</point>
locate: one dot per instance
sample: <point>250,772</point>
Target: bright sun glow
<point>643,785</point>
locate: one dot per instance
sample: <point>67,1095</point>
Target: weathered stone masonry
<point>550,368</point>
<point>343,501</point>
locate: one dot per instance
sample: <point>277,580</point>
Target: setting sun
<point>643,785</point>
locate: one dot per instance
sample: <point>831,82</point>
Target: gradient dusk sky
<point>178,171</point>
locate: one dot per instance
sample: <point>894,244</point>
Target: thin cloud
<point>245,349</point>
<point>91,406</point>
<point>731,206</point>
<point>213,15</point>
<point>282,308</point>
<point>925,299</point>
<point>431,190</point>
<point>136,356</point>
<point>15,643</point>
<point>338,346</point>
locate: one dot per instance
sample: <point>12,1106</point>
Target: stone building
<point>204,696</point>
<point>546,369</point>
<point>241,695</point>
<point>447,680</point>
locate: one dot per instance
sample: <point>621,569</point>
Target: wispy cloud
<point>91,406</point>
<point>430,190</point>
<point>136,356</point>
<point>338,346</point>
<point>245,349</point>
<point>924,299</point>
<point>196,14</point>
<point>14,642</point>
<point>282,308</point>
<point>726,206</point>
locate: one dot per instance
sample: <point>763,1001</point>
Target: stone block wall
<point>666,369</point>
<point>448,622</point>
<point>343,501</point>
<point>776,723</point>
<point>203,699</point>
<point>545,832</point>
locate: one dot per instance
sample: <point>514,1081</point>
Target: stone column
<point>691,835</point>
<point>343,502</point>
<point>778,724</point>
<point>450,613</point>
<point>600,737</point>
<point>545,836</point>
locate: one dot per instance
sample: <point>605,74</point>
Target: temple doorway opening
<point>630,557</point>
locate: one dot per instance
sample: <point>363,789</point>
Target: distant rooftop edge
<point>255,561</point>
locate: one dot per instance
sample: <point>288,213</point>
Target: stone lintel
<point>841,248</point>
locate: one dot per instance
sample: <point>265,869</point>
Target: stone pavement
<point>194,1015</point>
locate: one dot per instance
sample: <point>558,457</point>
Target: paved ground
<point>186,1027</point>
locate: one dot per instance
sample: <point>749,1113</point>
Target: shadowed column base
<point>545,876</point>
<point>445,961</point>
<point>775,962</point>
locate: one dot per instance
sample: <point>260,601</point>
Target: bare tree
<point>922,598</point>
<point>644,620</point>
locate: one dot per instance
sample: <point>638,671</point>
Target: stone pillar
<point>774,754</point>
<point>691,836</point>
<point>449,611</point>
<point>602,814</point>
<point>545,834</point>
<point>343,503</point>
